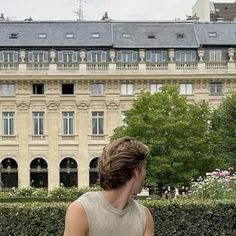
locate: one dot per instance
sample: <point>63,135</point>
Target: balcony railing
<point>127,66</point>
<point>9,66</point>
<point>112,67</point>
<point>186,66</point>
<point>37,66</point>
<point>68,66</point>
<point>216,65</point>
<point>157,66</point>
<point>97,66</point>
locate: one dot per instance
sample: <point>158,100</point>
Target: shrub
<point>216,185</point>
<point>176,217</point>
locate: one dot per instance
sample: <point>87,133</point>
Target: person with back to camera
<point>113,212</point>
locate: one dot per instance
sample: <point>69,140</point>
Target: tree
<point>224,127</point>
<point>177,134</point>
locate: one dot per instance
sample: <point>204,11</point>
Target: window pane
<point>127,89</point>
<point>155,88</point>
<point>97,89</point>
<point>8,123</point>
<point>68,122</point>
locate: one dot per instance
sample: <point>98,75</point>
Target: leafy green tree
<point>224,127</point>
<point>177,134</point>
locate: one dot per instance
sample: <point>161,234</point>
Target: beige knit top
<point>105,220</point>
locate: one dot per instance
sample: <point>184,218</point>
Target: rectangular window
<point>38,118</point>
<point>127,89</point>
<point>215,55</point>
<point>212,34</point>
<point>67,56</point>
<point>70,35</point>
<point>68,122</point>
<point>9,56</point>
<point>156,56</point>
<point>38,88</point>
<point>96,56</point>
<point>67,88</point>
<point>97,89</point>
<point>185,55</point>
<point>97,122</point>
<point>154,88</point>
<point>13,36</point>
<point>8,123</point>
<point>127,56</point>
<point>7,90</point>
<point>186,89</point>
<point>38,56</point>
<point>95,35</point>
<point>42,36</point>
<point>216,89</point>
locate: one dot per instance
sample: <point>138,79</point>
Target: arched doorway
<point>39,173</point>
<point>68,172</point>
<point>93,173</point>
<point>9,173</point>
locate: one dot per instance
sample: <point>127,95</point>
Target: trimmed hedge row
<point>190,218</point>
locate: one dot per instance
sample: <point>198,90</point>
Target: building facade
<point>64,87</point>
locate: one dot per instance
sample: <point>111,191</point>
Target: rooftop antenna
<point>79,12</point>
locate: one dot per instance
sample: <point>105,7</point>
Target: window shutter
<point>193,55</point>
<point>148,56</point>
<point>1,56</point>
<point>15,56</point>
<point>60,57</point>
<point>134,56</point>
<point>89,56</point>
<point>164,56</point>
<point>30,57</point>
<point>212,56</point>
<point>45,56</point>
<point>74,57</point>
<point>218,56</point>
<point>177,55</point>
<point>104,56</point>
<point>119,56</point>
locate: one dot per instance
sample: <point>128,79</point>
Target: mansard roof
<point>154,34</point>
<point>55,34</point>
<point>216,33</point>
<point>133,34</point>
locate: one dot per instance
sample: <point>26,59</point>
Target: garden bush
<point>176,217</point>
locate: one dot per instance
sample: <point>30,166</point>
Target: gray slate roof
<point>111,34</point>
<point>226,33</point>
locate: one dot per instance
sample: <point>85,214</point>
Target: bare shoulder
<point>149,227</point>
<point>76,223</point>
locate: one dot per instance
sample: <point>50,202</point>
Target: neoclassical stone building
<point>65,85</point>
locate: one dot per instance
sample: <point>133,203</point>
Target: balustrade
<point>167,67</point>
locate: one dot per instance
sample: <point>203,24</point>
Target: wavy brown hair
<point>118,161</point>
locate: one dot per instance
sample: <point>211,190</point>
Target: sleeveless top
<point>105,220</point>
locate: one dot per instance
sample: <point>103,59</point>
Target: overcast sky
<point>94,9</point>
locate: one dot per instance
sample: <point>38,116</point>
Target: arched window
<point>93,173</point>
<point>39,173</point>
<point>8,173</point>
<point>68,172</point>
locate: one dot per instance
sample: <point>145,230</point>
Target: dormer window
<point>212,34</point>
<point>126,35</point>
<point>180,36</point>
<point>13,36</point>
<point>95,35</point>
<point>70,35</point>
<point>42,36</point>
<point>151,36</point>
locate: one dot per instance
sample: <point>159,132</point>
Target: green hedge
<point>190,218</point>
